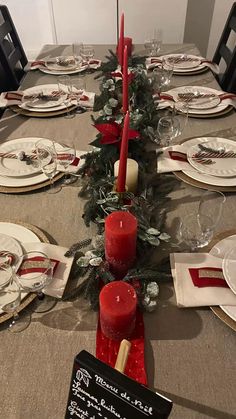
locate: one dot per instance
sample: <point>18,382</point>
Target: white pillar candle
<point>131,174</point>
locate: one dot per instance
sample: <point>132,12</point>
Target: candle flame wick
<point>121,224</point>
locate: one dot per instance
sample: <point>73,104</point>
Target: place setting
<point>203,162</point>
<point>28,164</point>
<point>183,64</point>
<point>81,60</point>
<point>49,100</point>
<point>203,102</point>
<point>31,269</point>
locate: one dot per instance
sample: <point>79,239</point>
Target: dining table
<point>189,352</point>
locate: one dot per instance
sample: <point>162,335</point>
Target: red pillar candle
<point>120,242</point>
<point>125,90</point>
<point>128,42</point>
<point>120,48</point>
<point>118,303</point>
<point>121,179</point>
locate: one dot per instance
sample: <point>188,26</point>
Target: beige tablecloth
<point>190,353</point>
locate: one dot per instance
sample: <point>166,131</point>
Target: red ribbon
<point>120,75</point>
<point>112,133</point>
<point>201,278</point>
<point>107,350</point>
<point>177,155</point>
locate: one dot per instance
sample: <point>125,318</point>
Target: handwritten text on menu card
<point>94,394</point>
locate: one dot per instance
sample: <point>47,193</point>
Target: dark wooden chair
<point>12,55</point>
<point>227,79</point>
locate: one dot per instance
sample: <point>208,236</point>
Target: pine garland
<point>98,184</point>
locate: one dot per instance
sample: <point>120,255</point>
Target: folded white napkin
<point>188,295</point>
<point>152,62</point>
<point>167,164</point>
<point>35,65</point>
<point>61,274</point>
<point>15,98</point>
<point>164,102</point>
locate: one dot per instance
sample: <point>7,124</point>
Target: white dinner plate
<point>207,90</point>
<point>219,166</point>
<point>42,88</point>
<point>189,69</point>
<point>202,177</point>
<point>183,61</point>
<point>14,167</point>
<point>21,234</point>
<point>220,250</point>
<point>11,245</point>
<point>53,63</point>
<point>229,268</point>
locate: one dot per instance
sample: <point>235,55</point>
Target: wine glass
<point>65,156</point>
<point>172,124</point>
<point>79,84</point>
<point>46,156</point>
<point>35,273</point>
<point>210,210</point>
<point>161,77</point>
<point>153,42</point>
<point>65,89</point>
<point>10,299</point>
<point>76,48</point>
<point>87,53</point>
<point>197,229</point>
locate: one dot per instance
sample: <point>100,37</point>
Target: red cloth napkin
<point>107,350</point>
<point>208,277</point>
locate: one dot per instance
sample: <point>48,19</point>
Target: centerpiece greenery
<point>98,184</point>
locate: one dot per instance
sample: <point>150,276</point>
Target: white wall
<point>143,15</point>
<point>88,21</point>
<point>221,11</point>
<point>32,19</point>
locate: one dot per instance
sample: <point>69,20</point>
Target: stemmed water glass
<point>46,156</point>
<point>10,299</point>
<point>196,230</point>
<point>79,84</point>
<point>153,42</point>
<point>87,53</point>
<point>65,89</point>
<point>161,77</point>
<point>65,156</point>
<point>172,124</point>
<point>35,273</point>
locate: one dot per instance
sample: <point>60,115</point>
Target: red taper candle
<point>120,186</point>
<point>120,242</point>
<point>121,42</point>
<point>118,303</point>
<point>125,91</point>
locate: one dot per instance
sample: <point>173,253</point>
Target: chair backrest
<point>227,79</point>
<point>12,55</point>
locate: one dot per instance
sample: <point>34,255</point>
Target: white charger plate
<point>202,177</point>
<point>220,250</point>
<point>13,167</point>
<point>9,244</point>
<point>191,89</point>
<point>22,235</point>
<point>222,167</point>
<point>63,72</point>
